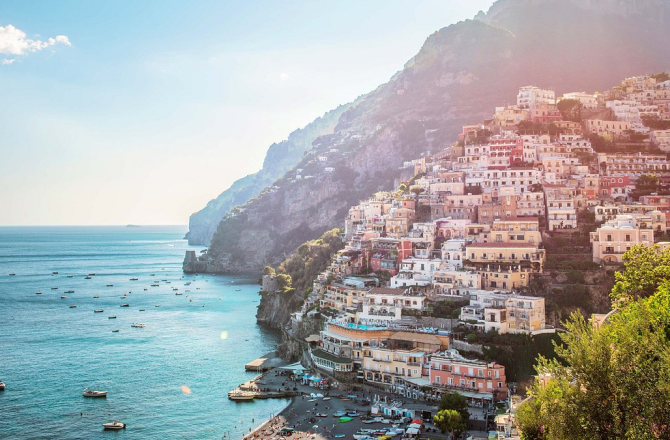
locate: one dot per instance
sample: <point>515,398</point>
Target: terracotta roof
<point>501,245</point>
<point>387,291</point>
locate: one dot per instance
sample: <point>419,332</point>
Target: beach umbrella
<point>417,421</point>
<point>315,427</point>
<point>345,419</point>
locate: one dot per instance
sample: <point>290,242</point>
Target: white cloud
<point>13,41</point>
<point>7,61</point>
<point>284,76</point>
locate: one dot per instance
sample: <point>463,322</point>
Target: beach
<point>311,416</point>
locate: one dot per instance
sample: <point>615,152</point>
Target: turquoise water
<point>168,380</point>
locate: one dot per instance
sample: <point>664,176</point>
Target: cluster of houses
<point>469,226</point>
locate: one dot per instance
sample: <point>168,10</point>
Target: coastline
<point>267,423</point>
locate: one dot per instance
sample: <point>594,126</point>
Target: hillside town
<point>470,227</point>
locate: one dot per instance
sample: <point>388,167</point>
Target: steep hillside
<point>460,74</point>
<point>280,158</point>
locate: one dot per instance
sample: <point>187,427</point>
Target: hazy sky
<point>116,112</point>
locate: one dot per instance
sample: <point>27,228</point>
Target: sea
<point>169,380</point>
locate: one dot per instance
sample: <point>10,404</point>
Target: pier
<point>265,363</point>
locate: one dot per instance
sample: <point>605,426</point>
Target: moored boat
<point>125,305</point>
<point>239,396</point>
<point>69,291</point>
<point>98,311</point>
<point>111,317</point>
<point>63,297</point>
<point>38,293</point>
<point>96,296</point>
<point>73,306</point>
<point>138,325</point>
<point>114,426</point>
<point>2,386</point>
<point>94,393</point>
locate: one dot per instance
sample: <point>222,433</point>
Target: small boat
<point>63,297</point>
<point>12,274</point>
<point>2,386</point>
<point>93,393</point>
<point>54,288</point>
<point>55,273</point>
<point>115,331</point>
<point>237,290</point>
<point>178,293</point>
<point>70,276</point>
<point>110,285</point>
<point>98,311</point>
<point>96,296</point>
<point>125,305</point>
<point>241,396</point>
<point>114,426</point>
<point>157,305</point>
<point>153,275</point>
<point>87,278</point>
<point>111,317</point>
<point>134,279</point>
<point>38,293</point>
<point>138,325</point>
<point>69,291</point>
<point>187,284</point>
<point>155,285</point>
<point>91,274</point>
<point>73,306</point>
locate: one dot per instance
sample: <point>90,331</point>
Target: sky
<point>119,112</point>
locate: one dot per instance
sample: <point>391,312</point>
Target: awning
<point>412,431</point>
<point>418,381</point>
<point>293,367</point>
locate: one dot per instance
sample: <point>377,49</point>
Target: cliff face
<point>460,74</point>
<point>275,308</point>
<point>280,158</point>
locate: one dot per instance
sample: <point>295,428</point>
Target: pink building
<point>476,378</point>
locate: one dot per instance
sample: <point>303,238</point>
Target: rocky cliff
<point>460,74</point>
<point>279,158</point>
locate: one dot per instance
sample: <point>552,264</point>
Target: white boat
<point>241,396</point>
<point>98,311</point>
<point>114,426</point>
<point>138,325</point>
<point>93,393</point>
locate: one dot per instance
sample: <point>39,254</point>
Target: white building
<point>530,96</point>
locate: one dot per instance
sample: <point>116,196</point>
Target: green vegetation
<point>448,420</point>
<point>449,309</point>
<point>571,109</point>
<point>661,77</point>
<point>530,127</point>
<point>311,258</point>
<point>450,404</point>
<point>610,381</point>
<point>646,269</point>
<point>656,123</point>
<point>601,144</point>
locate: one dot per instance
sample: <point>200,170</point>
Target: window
<point>437,379</point>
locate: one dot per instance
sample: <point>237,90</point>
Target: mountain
<point>460,74</point>
<point>280,158</point>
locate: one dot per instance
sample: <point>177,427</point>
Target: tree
<point>529,419</point>
<point>269,270</point>
<point>610,381</point>
<point>457,402</point>
<point>646,268</point>
<point>448,420</point>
